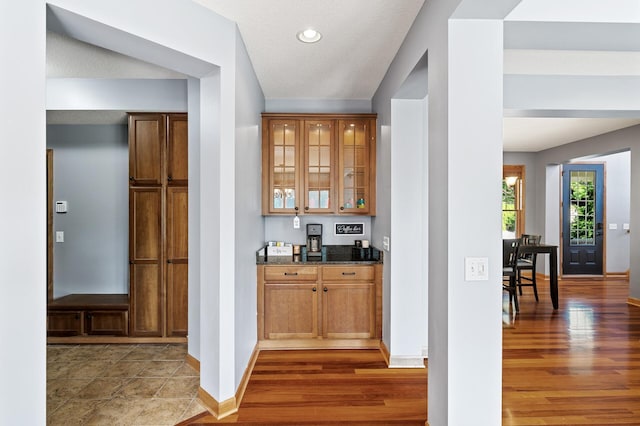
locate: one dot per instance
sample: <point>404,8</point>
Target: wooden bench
<point>89,314</point>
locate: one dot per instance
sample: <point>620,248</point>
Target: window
<point>512,201</point>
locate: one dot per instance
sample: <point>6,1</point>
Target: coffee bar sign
<point>349,228</point>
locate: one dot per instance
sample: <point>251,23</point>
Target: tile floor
<point>120,385</point>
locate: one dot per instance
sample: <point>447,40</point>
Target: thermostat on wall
<point>61,206</point>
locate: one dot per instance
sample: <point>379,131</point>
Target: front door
<point>582,223</point>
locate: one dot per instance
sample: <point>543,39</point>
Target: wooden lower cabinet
<point>110,323</point>
<point>146,300</point>
<point>348,310</point>
<point>88,314</point>
<point>177,298</point>
<point>291,310</point>
<point>64,323</point>
<point>319,302</point>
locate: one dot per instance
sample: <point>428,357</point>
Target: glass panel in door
<point>354,148</point>
<point>283,168</point>
<point>319,166</point>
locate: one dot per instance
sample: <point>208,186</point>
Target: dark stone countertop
<point>331,255</point>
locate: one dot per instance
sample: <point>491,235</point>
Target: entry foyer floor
<point>120,384</point>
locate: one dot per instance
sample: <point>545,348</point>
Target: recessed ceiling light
<point>309,35</point>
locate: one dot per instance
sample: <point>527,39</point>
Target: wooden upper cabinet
<point>177,150</point>
<point>146,149</point>
<point>318,164</point>
<point>356,184</point>
<point>281,166</point>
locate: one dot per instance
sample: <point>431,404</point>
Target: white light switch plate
<point>59,236</point>
<point>476,269</point>
<point>385,243</point>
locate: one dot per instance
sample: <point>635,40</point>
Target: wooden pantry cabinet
<point>309,303</point>
<point>158,224</point>
<point>318,164</point>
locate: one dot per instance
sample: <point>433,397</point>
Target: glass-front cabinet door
<point>319,166</point>
<point>284,166</point>
<point>354,184</point>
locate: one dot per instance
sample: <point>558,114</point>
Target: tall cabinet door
<point>177,261</point>
<point>177,150</point>
<point>146,149</point>
<point>146,261</point>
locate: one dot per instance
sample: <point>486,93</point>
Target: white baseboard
<point>406,362</point>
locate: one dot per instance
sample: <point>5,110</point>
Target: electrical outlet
<point>296,222</point>
<point>385,243</point>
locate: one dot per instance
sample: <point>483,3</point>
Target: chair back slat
<point>510,252</point>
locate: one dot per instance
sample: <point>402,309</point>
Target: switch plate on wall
<point>59,236</point>
<point>385,243</point>
<point>476,269</point>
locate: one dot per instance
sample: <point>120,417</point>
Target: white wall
<point>551,213</point>
<point>248,205</point>
<point>23,246</point>
<point>194,218</point>
<point>618,197</point>
<point>408,307</point>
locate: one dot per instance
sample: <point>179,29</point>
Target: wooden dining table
<point>552,251</point>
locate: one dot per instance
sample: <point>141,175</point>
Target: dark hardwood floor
<point>577,365</point>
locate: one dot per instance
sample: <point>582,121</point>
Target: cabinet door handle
<point>169,261</point>
<point>307,208</point>
<point>131,178</point>
<point>341,207</point>
<point>291,273</point>
<point>314,289</point>
<point>348,273</point>
<point>325,290</point>
<point>169,178</point>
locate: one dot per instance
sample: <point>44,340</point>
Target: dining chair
<point>527,262</point>
<point>509,269</point>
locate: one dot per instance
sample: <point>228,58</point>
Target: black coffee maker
<point>314,240</point>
